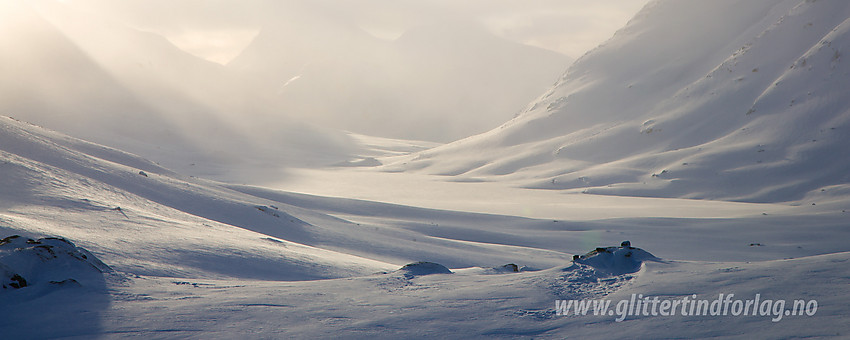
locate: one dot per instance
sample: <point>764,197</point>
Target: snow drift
<point>620,260</point>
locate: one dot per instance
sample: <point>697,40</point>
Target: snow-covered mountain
<point>731,100</point>
<point>100,80</point>
<point>96,242</point>
<point>47,78</point>
<point>438,82</point>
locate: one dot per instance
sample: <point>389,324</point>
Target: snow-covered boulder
<point>423,268</point>
<point>616,260</point>
<point>508,268</point>
<point>46,262</point>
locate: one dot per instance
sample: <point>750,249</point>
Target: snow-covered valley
<point>194,258</point>
<point>656,172</point>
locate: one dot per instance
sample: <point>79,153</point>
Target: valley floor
<point>194,277</point>
<point>468,304</point>
<point>319,255</point>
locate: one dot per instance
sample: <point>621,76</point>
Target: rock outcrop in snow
<point>421,268</point>
<point>46,262</point>
<point>620,260</point>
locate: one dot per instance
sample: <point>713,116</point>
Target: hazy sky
<point>447,79</point>
<point>219,29</point>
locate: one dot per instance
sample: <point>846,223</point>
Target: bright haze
<point>295,75</point>
<point>218,30</point>
<point>251,169</point>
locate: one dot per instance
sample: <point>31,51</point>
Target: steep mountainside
<point>99,80</point>
<point>732,100</point>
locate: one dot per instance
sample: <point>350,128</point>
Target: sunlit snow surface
<point>194,258</point>
<point>731,100</point>
<point>391,245</point>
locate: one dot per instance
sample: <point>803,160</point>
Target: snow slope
<point>183,257</point>
<point>97,79</point>
<point>730,100</point>
<point>198,259</point>
<point>459,305</point>
<point>98,196</point>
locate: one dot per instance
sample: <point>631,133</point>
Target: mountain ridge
<point>717,126</point>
